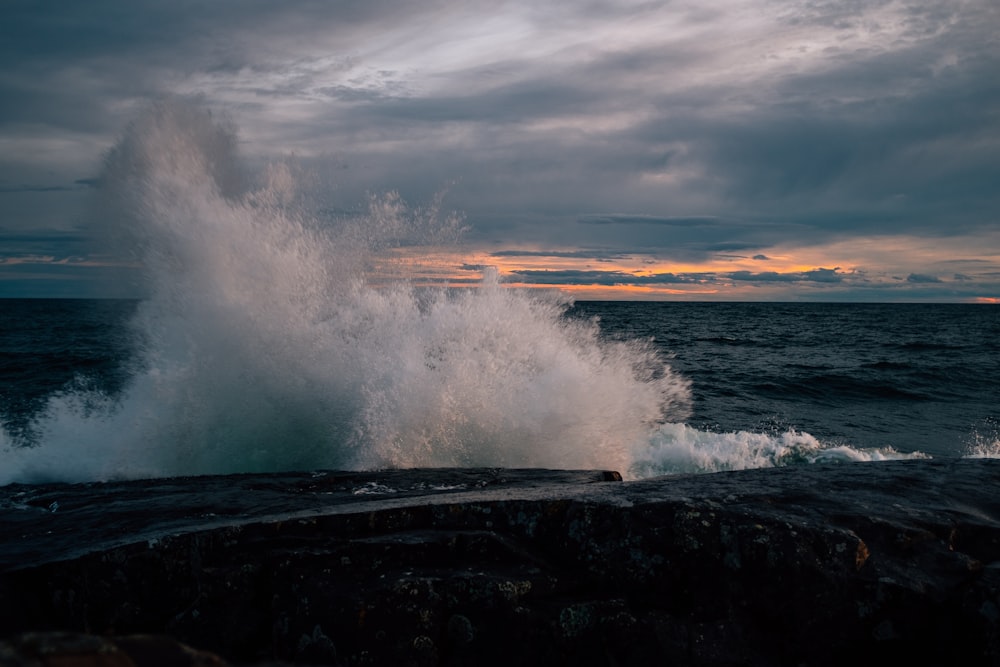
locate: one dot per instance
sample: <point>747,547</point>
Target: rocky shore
<point>810,565</point>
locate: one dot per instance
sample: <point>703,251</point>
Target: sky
<point>813,150</point>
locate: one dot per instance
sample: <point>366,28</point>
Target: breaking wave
<point>272,340</point>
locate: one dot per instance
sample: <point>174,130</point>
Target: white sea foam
<point>678,448</point>
<point>983,446</point>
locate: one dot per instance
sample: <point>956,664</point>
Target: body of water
<point>87,392</point>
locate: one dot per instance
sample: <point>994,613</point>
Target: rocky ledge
<point>810,565</point>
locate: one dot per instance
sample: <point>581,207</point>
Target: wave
<point>272,339</point>
<point>678,449</point>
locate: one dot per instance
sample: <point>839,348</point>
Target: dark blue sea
<point>913,377</point>
<point>104,389</point>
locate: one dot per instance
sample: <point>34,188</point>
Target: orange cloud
<point>839,269</point>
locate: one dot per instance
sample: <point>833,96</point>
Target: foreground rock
<point>810,565</point>
<point>65,649</point>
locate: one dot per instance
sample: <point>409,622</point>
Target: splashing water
<point>678,448</point>
<point>267,345</point>
<point>984,444</point>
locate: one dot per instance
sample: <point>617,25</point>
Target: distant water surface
<point>914,377</point>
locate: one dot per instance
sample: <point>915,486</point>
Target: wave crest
<point>269,341</point>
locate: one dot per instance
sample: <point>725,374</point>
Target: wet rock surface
<point>814,565</point>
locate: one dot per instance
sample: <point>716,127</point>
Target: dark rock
<point>64,649</point>
<point>812,565</point>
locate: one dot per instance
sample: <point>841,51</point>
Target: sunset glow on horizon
<point>779,273</point>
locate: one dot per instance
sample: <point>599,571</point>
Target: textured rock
<point>809,565</point>
<point>64,649</point>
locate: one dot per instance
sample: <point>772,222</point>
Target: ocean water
<point>271,340</point>
<point>914,378</point>
<point>762,384</point>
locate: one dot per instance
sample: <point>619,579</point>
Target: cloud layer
<point>747,149</point>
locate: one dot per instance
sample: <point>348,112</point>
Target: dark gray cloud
<point>595,277</point>
<point>51,243</point>
<point>4,189</point>
<point>598,277</point>
<point>921,278</point>
<point>814,276</point>
<point>575,254</point>
<point>669,221</point>
<point>707,136</point>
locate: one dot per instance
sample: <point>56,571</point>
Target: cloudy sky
<point>736,149</point>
